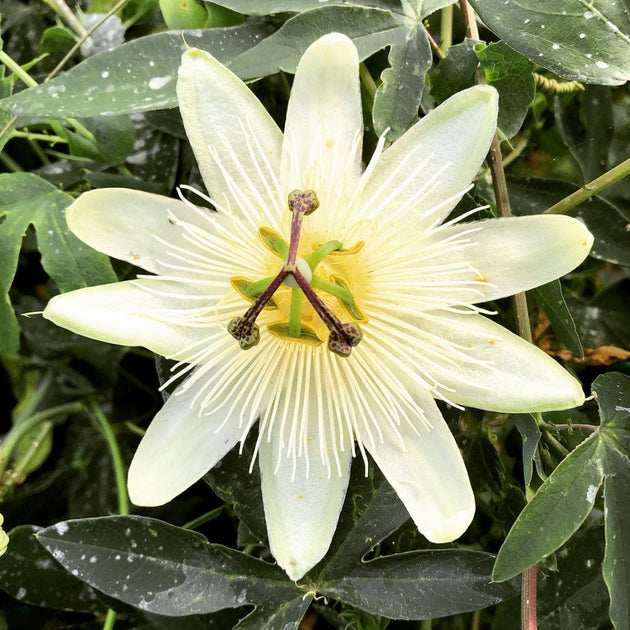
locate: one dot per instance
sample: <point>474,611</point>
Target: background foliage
<point>85,110</point>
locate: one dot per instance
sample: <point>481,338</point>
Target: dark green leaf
<point>455,72</point>
<point>613,397</point>
<point>555,513</point>
<point>421,584</point>
<point>398,97</point>
<point>552,301</point>
<point>161,568</point>
<point>530,435</point>
<point>371,511</point>
<point>603,321</point>
<point>584,41</point>
<point>25,200</point>
<point>30,575</point>
<point>371,29</point>
<point>574,595</point>
<point>135,77</point>
<point>511,74</point>
<point>585,120</point>
<point>231,481</point>
<point>286,615</point>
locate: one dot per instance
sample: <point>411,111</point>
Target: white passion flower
<point>329,303</point>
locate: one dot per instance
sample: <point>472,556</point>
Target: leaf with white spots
<point>398,97</point>
<point>583,40</point>
<point>565,499</point>
<point>161,568</point>
<point>138,76</point>
<point>31,576</point>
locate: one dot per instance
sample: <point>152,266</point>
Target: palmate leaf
<point>565,499</point>
<point>404,586</point>
<point>398,97</point>
<point>138,76</point>
<point>583,40</point>
<point>25,200</point>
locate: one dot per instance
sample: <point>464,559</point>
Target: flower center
<point>299,275</point>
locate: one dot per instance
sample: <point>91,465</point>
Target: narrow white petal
<point>517,254</point>
<point>426,469</point>
<point>236,142</point>
<point>179,447</point>
<point>128,314</point>
<point>302,498</point>
<point>133,225</point>
<point>504,373</point>
<point>440,155</point>
<point>324,124</point>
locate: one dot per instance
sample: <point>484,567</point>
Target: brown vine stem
<point>529,576</point>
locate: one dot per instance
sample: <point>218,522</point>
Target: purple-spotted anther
<point>334,330</point>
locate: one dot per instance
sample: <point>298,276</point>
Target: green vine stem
<point>117,461</point>
<point>602,182</point>
<point>119,475</point>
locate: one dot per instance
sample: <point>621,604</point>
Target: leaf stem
<point>602,182</point>
<point>570,427</point>
<point>446,28</point>
<point>17,69</point>
<point>368,82</point>
<point>110,619</point>
<point>117,461</point>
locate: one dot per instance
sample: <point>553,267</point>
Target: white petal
<point>301,512</point>
<point>324,124</point>
<point>236,142</point>
<point>519,253</point>
<point>440,155</point>
<point>127,314</point>
<point>132,225</point>
<point>517,376</point>
<point>427,472</point>
<point>179,447</point>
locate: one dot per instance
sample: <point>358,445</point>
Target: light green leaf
<point>552,301</point>
<point>138,76</point>
<point>371,29</point>
<point>161,568</point>
<point>421,584</point>
<point>555,513</point>
<point>398,97</point>
<point>511,74</point>
<point>582,40</point>
<point>26,199</point>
